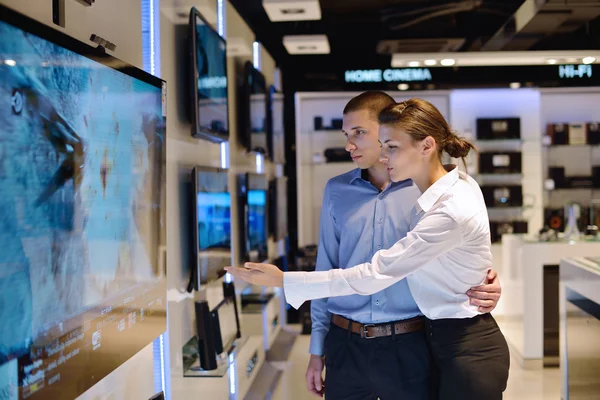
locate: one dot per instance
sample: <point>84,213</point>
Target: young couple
<point>405,241</point>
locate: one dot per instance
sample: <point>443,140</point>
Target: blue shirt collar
<point>363,174</point>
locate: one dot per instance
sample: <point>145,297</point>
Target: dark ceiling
<point>356,29</point>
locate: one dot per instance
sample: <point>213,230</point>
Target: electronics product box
<point>498,128</point>
<point>500,163</point>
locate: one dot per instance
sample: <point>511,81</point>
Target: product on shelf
<point>500,163</point>
<point>503,196</point>
<point>557,174</point>
<point>498,128</point>
<point>574,133</point>
<point>498,228</point>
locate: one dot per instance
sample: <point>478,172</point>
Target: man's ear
<point>428,145</point>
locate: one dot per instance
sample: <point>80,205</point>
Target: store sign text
<point>575,71</point>
<point>388,75</point>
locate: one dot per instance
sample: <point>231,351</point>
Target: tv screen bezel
<point>195,278</point>
<point>197,131</point>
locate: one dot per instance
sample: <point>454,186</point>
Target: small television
<point>253,194</point>
<point>278,227</point>
<point>208,57</point>
<point>276,132</point>
<point>211,229</point>
<point>253,111</point>
<point>82,144</point>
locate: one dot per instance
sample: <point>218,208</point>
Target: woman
<point>446,252</point>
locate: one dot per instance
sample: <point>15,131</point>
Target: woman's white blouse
<point>446,252</point>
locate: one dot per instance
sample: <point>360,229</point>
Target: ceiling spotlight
<point>515,85</point>
<point>403,86</point>
<point>551,61</point>
<point>448,62</point>
<point>10,63</point>
<point>430,62</point>
<point>588,60</point>
<point>413,63</point>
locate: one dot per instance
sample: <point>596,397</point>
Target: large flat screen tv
<point>211,230</point>
<point>210,111</point>
<point>276,132</point>
<point>82,146</point>
<point>253,193</point>
<point>253,111</point>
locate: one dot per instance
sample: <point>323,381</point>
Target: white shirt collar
<point>441,186</point>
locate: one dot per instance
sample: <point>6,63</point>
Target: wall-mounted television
<point>253,194</point>
<point>211,225</point>
<point>208,56</point>
<point>278,226</point>
<point>253,123</point>
<point>276,132</point>
<point>82,151</point>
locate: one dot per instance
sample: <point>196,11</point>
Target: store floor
<point>522,384</point>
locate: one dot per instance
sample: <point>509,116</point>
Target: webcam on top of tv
<point>103,43</point>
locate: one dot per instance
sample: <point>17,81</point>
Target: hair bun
<point>458,147</point>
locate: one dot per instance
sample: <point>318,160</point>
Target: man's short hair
<point>373,101</point>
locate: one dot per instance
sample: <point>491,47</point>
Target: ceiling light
<point>430,62</point>
<point>413,63</point>
<point>10,63</point>
<point>448,62</point>
<point>292,10</point>
<point>588,60</point>
<point>515,85</point>
<point>551,61</point>
<point>306,44</point>
<point>403,86</point>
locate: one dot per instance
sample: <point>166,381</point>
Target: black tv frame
<point>275,187</point>
<point>271,135</point>
<point>197,131</point>
<point>249,74</point>
<point>195,282</point>
<point>244,184</point>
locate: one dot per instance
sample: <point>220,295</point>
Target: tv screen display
<point>82,142</point>
<point>209,78</point>
<point>257,107</point>
<point>257,222</point>
<point>212,225</point>
<point>277,134</point>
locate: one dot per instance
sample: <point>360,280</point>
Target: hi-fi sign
<point>575,71</point>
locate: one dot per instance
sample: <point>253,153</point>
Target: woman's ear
<point>428,145</point>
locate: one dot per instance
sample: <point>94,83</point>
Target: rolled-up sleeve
<point>436,234</point>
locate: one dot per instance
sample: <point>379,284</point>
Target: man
<point>362,213</point>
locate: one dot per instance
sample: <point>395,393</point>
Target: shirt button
<point>380,220</point>
<point>378,247</point>
<point>377,302</point>
<point>381,196</point>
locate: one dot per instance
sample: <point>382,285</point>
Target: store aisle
<point>522,384</point>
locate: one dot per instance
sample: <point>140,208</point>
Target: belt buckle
<point>365,331</point>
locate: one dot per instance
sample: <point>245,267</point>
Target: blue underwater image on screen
<point>214,220</point>
<point>80,154</point>
<point>257,227</point>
